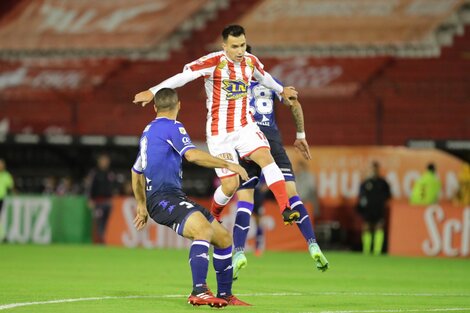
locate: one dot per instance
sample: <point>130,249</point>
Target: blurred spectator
<point>100,185</point>
<point>374,194</point>
<point>49,185</point>
<point>427,188</point>
<point>463,194</point>
<point>306,187</point>
<point>6,186</point>
<point>66,187</point>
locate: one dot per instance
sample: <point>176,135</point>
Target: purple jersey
<point>262,107</point>
<point>162,146</point>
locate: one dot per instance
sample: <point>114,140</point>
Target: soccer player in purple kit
<point>262,108</point>
<point>156,182</point>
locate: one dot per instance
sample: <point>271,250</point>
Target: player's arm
<point>202,158</point>
<point>175,81</point>
<point>138,187</point>
<point>300,143</point>
<point>201,67</point>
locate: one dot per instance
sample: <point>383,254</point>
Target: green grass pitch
<point>109,279</point>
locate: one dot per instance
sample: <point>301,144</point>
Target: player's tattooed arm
<point>298,116</point>
<point>300,143</point>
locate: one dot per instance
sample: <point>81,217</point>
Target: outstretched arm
<point>205,159</point>
<point>175,81</point>
<point>300,143</point>
<point>138,186</point>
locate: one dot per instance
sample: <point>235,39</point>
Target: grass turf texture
<point>160,280</point>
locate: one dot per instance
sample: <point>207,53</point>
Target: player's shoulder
<point>180,127</point>
<point>251,58</point>
<point>208,60</point>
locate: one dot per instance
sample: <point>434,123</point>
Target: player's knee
<point>230,185</point>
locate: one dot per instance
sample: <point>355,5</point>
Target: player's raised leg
<point>276,183</point>
<point>306,228</point>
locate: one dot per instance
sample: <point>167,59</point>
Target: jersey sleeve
<point>204,66</point>
<point>179,139</point>
<point>137,167</point>
<point>176,81</point>
<point>263,77</point>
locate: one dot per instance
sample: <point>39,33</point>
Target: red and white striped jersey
<point>226,85</point>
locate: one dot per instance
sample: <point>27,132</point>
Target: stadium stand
<point>354,91</point>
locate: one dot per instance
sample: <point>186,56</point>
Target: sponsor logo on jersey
<point>235,89</point>
<point>263,123</point>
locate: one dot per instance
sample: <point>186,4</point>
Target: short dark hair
<point>233,30</point>
<point>248,48</point>
<point>166,99</point>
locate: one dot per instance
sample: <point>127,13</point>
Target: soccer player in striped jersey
<point>262,102</point>
<point>230,128</point>
<point>156,182</point>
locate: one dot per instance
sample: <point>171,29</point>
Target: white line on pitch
<point>388,294</point>
<point>398,310</point>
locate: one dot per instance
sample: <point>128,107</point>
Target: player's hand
<point>141,217</point>
<point>143,97</point>
<point>236,168</point>
<point>289,94</point>
<point>301,145</point>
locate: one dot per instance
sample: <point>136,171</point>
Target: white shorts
<point>245,141</point>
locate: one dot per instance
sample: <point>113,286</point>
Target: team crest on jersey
<point>222,64</point>
<point>235,89</point>
<point>182,130</point>
<point>250,64</point>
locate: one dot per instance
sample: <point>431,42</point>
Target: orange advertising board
<point>121,232</point>
<point>436,230</point>
<point>339,170</point>
<point>338,173</point>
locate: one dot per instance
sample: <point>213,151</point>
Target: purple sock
<point>304,223</point>
<point>242,224</point>
<point>222,259</point>
<point>199,262</point>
